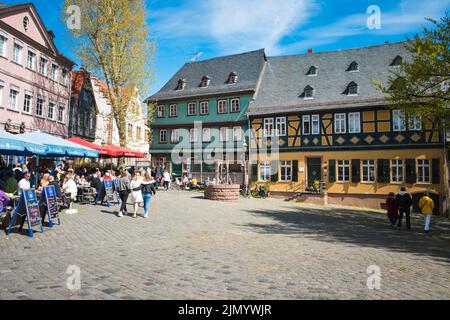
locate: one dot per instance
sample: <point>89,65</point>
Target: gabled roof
<point>284,79</point>
<point>247,67</point>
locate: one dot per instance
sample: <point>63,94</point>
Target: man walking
<point>404,201</point>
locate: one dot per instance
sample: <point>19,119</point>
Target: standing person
<point>136,185</point>
<point>24,184</point>
<point>123,187</point>
<point>404,202</point>
<point>148,189</point>
<point>392,209</point>
<point>426,205</point>
<point>167,180</point>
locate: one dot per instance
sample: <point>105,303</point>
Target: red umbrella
<point>126,153</point>
<point>103,151</point>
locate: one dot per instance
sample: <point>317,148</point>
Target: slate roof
<point>247,66</point>
<point>285,78</point>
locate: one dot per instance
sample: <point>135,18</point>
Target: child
<point>426,206</point>
<point>392,209</point>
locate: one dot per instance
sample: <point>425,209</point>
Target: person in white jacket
<point>69,186</point>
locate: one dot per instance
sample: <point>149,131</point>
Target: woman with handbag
<point>123,187</point>
<point>136,192</point>
<point>426,205</point>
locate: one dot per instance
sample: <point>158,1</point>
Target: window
<point>414,123</point>
<point>354,122</point>
<point>232,78</point>
<point>352,89</point>
<point>235,105</point>
<point>26,23</point>
<point>308,93</point>
<point>43,66</point>
<point>280,126</point>
<point>13,99</point>
<point>224,137</point>
<point>312,71</point>
<point>398,169</point>
<point>163,136</point>
<point>138,134</point>
<point>130,132</point>
<point>222,106</point>
<point>31,60</point>
<point>353,67</point>
<point>54,72</point>
<point>3,43</point>
<point>193,133</point>
<point>40,107</point>
<point>264,171</point>
<point>344,170</point>
<point>206,137</point>
<point>175,136</point>
<point>17,53</point>
<point>192,108</point>
<point>204,108</point>
<point>160,112</point>
<point>51,110</point>
<point>339,123</point>
<point>368,171</point>
<point>205,82</point>
<point>181,84</point>
<point>306,125</point>
<point>286,171</point>
<point>423,167</point>
<point>397,61</point>
<point>27,101</point>
<point>268,127</point>
<point>398,120</point>
<point>315,128</point>
<point>173,110</point>
<point>2,86</point>
<point>237,134</point>
<point>61,110</point>
<point>64,77</point>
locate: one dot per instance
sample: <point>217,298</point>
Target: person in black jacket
<point>148,189</point>
<point>404,201</point>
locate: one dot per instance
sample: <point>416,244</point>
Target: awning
<point>17,145</point>
<point>103,152</point>
<point>126,153</point>
<point>58,147</point>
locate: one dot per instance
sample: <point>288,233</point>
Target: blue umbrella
<point>58,147</point>
<point>17,145</point>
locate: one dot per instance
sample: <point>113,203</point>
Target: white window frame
<point>370,167</point>
<point>173,110</point>
<point>33,66</point>
<point>398,171</point>
<point>222,105</point>
<point>175,136</point>
<point>160,112</point>
<point>204,105</point>
<point>315,118</point>
<point>51,102</point>
<point>268,127</point>
<point>423,171</point>
<point>265,171</point>
<point>235,105</point>
<point>162,133</point>
<point>285,167</point>
<point>340,118</point>
<point>2,89</point>
<point>311,90</point>
<point>306,123</point>
<point>414,123</point>
<point>224,134</point>
<point>40,98</point>
<point>62,118</point>
<point>354,122</point>
<point>19,58</point>
<point>398,120</point>
<point>346,166</point>
<point>43,68</point>
<point>237,134</point>
<point>64,76</point>
<point>280,126</point>
<point>54,71</point>
<point>4,47</point>
<point>30,102</point>
<point>355,85</point>
<point>16,98</point>
<point>189,106</point>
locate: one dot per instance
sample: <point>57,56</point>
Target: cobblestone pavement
<point>193,248</point>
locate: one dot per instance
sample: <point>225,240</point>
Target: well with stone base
<point>222,192</point>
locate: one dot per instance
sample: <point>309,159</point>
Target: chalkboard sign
<point>49,200</point>
<point>27,207</point>
<point>109,191</point>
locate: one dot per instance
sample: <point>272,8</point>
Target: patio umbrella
<point>126,153</point>
<point>17,145</point>
<point>103,152</point>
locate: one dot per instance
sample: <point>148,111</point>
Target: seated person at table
<point>77,180</point>
<point>10,183</point>
<point>44,180</point>
<point>53,182</point>
<point>24,184</point>
<point>70,187</point>
<point>83,181</point>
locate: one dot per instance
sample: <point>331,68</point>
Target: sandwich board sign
<point>48,199</point>
<point>28,208</point>
<point>108,190</point>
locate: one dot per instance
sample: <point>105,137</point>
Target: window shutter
<point>435,167</point>
<point>411,176</point>
<point>274,171</point>
<point>332,171</point>
<point>384,171</point>
<point>356,171</point>
<point>254,172</point>
<point>295,170</point>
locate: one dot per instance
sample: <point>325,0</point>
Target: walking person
<point>167,180</point>
<point>404,202</point>
<point>136,192</point>
<point>123,188</point>
<point>148,189</point>
<point>426,205</point>
<point>392,209</point>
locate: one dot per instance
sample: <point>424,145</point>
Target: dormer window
<point>26,23</point>
<point>205,82</point>
<point>397,61</point>
<point>352,89</point>
<point>312,71</point>
<point>353,67</point>
<point>181,84</point>
<point>308,93</point>
<point>232,78</point>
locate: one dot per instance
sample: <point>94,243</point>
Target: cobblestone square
<point>191,248</point>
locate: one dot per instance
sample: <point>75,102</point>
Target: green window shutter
<point>435,166</point>
<point>384,171</point>
<point>295,170</point>
<point>254,176</point>
<point>274,171</point>
<point>332,171</point>
<point>411,176</point>
<point>356,171</point>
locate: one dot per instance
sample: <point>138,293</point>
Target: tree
<point>114,43</point>
<point>422,86</point>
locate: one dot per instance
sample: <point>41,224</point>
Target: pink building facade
<point>34,76</point>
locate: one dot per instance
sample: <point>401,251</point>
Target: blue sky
<point>220,27</point>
